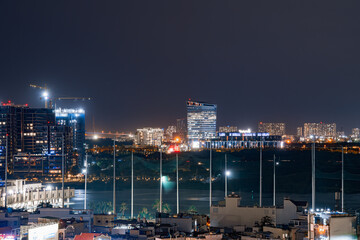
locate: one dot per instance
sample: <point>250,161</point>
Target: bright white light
<point>11,192</point>
<point>277,163</point>
<point>48,188</point>
<point>45,95</point>
<point>163,179</point>
<point>228,173</point>
<point>95,137</point>
<point>109,213</point>
<point>84,171</point>
<point>196,144</point>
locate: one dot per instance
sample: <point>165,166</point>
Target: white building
<point>322,130</point>
<point>230,213</point>
<point>149,136</point>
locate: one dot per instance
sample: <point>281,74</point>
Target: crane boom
<point>73,98</point>
<point>37,86</point>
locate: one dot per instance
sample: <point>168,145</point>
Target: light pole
<point>313,176</point>
<point>177,185</point>
<point>6,169</point>
<point>274,183</point>
<point>210,181</point>
<point>227,173</point>
<point>63,170</point>
<point>342,178</point>
<point>114,182</point>
<point>161,179</point>
<point>260,195</point>
<point>132,184</point>
<point>85,171</point>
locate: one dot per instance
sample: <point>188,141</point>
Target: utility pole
<point>6,168</point>
<point>342,179</point>
<point>274,183</point>
<point>63,170</point>
<point>210,181</point>
<point>132,184</point>
<point>177,184</point>
<point>114,182</point>
<point>260,200</point>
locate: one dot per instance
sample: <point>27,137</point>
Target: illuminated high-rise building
<point>299,131</point>
<point>355,133</point>
<point>201,121</point>
<point>326,130</point>
<point>75,119</point>
<point>274,129</point>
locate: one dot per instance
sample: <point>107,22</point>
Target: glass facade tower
<point>201,121</point>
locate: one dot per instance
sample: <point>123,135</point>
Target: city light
<point>228,173</point>
<point>95,137</point>
<point>45,95</point>
<point>84,171</point>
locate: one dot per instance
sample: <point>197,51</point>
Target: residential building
<point>274,129</point>
<point>170,133</point>
<point>320,130</point>
<point>181,128</point>
<point>299,131</point>
<point>201,121</point>
<point>355,133</point>
<point>149,136</point>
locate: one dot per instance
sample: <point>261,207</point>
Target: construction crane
<point>45,94</point>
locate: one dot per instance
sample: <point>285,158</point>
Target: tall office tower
<point>355,133</point>
<point>29,133</point>
<point>228,129</point>
<point>181,129</point>
<point>325,130</point>
<point>149,136</point>
<point>201,121</point>
<point>274,129</point>
<point>75,119</point>
<point>299,131</point>
<point>170,133</point>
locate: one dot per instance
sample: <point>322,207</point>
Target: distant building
<point>149,136</point>
<point>274,129</point>
<point>228,129</point>
<point>201,121</point>
<point>170,133</point>
<point>33,137</point>
<point>245,140</point>
<point>181,128</point>
<point>299,131</point>
<point>322,130</point>
<point>230,213</point>
<point>355,133</point>
<point>74,118</point>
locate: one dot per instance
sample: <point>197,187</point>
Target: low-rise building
<point>230,213</point>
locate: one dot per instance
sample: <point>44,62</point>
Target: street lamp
<point>274,184</point>
<point>84,171</point>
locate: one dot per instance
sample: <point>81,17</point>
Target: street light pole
<point>63,170</point>
<point>210,181</point>
<point>132,184</point>
<point>313,176</point>
<point>260,200</point>
<point>86,172</point>
<point>114,182</point>
<point>226,175</point>
<point>160,203</point>
<point>6,169</point>
<point>274,191</point>
<point>177,184</point>
<point>342,179</point>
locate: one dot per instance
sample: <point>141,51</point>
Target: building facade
<point>149,136</point>
<point>228,129</point>
<point>322,130</point>
<point>75,119</point>
<point>201,121</point>
<point>274,129</point>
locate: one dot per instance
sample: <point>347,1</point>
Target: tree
<point>192,210</point>
<point>101,207</point>
<point>123,208</point>
<point>156,205</point>
<point>144,213</point>
<point>166,208</point>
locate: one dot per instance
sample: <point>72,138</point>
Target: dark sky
<point>140,61</point>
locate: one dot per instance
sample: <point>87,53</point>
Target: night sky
<point>140,61</point>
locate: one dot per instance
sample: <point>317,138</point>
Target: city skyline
<point>256,67</point>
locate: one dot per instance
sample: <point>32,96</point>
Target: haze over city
<point>139,62</point>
